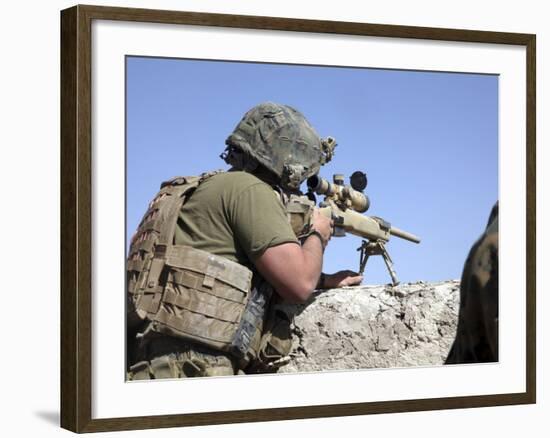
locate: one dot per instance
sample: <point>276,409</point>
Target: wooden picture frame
<point>76,217</point>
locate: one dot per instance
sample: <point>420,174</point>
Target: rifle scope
<point>338,192</point>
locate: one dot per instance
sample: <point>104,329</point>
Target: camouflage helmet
<point>282,140</point>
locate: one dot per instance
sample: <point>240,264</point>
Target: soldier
<point>215,255</point>
<point>477,332</point>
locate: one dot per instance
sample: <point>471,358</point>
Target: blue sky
<point>428,142</point>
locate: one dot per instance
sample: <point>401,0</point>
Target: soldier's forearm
<point>312,250</point>
<point>293,270</point>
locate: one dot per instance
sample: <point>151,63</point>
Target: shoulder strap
<point>179,189</point>
<point>157,228</point>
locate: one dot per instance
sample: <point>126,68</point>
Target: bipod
<point>368,249</point>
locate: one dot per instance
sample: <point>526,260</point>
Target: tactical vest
<point>196,296</point>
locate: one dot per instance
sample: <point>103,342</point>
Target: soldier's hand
<point>341,279</point>
<point>323,225</point>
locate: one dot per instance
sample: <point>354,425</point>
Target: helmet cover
<point>282,140</point>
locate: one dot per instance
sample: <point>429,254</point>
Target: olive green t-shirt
<point>234,215</point>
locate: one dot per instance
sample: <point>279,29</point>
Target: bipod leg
<point>363,257</point>
<point>389,265</point>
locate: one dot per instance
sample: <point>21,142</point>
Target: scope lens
<point>313,182</point>
<point>358,180</point>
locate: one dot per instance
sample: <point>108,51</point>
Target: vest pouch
<point>299,210</point>
<point>275,344</point>
<point>204,297</point>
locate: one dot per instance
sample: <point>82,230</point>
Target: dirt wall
<point>359,327</point>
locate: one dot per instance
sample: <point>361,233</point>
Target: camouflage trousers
<point>168,358</point>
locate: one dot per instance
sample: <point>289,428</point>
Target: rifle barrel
<point>404,235</point>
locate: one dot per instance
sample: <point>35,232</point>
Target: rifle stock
<point>367,227</point>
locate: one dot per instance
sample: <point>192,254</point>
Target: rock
<point>374,327</point>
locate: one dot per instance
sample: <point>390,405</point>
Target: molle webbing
<point>185,292</point>
<point>213,267</point>
<point>157,227</point>
<point>155,222</point>
<point>204,297</point>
